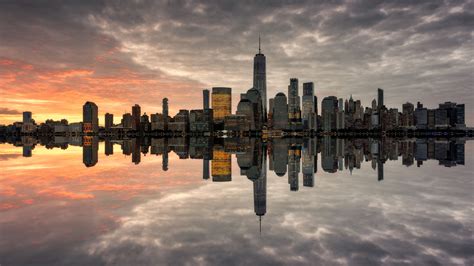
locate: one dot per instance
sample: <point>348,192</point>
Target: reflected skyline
<point>264,197</point>
<point>296,158</point>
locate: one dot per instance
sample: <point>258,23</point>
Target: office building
<point>328,112</point>
<point>408,118</point>
<point>180,122</point>
<point>205,99</point>
<point>280,112</point>
<point>27,117</point>
<point>294,110</point>
<point>136,113</point>
<point>127,121</point>
<point>260,78</point>
<point>250,105</point>
<point>90,119</point>
<point>109,121</point>
<point>165,113</point>
<point>421,116</point>
<point>308,106</point>
<point>221,103</point>
<point>380,98</point>
<point>200,120</point>
<point>340,118</point>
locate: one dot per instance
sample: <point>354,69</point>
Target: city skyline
<point>48,70</point>
<point>220,132</point>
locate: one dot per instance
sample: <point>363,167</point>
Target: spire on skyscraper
<point>259,50</point>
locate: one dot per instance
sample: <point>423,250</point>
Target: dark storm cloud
<point>416,51</point>
<point>7,111</point>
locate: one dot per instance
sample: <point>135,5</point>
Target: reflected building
<point>221,165</point>
<point>280,156</point>
<point>90,150</point>
<point>294,160</point>
<point>109,147</point>
<point>329,161</point>
<point>288,156</point>
<point>308,162</point>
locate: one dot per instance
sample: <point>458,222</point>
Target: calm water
<point>320,201</point>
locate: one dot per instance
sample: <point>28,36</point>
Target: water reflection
<point>286,155</point>
<point>326,221</point>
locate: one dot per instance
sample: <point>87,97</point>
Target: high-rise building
<point>294,111</point>
<point>251,106</point>
<point>205,99</point>
<point>340,119</point>
<point>136,113</point>
<point>271,103</point>
<point>27,117</point>
<point>221,103</point>
<point>408,119</point>
<point>421,116</point>
<point>280,112</point>
<point>200,120</point>
<point>308,105</point>
<point>328,112</point>
<point>260,78</point>
<point>109,121</point>
<point>380,98</point>
<point>455,114</point>
<point>28,123</point>
<point>165,113</point>
<point>90,119</point>
<point>127,121</point>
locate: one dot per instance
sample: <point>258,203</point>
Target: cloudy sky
<point>56,55</point>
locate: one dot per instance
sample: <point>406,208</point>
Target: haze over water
<point>55,210</point>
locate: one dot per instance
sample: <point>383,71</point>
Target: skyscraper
<point>340,119</point>
<point>260,77</point>
<point>308,105</point>
<point>205,99</point>
<point>27,117</point>
<point>328,112</point>
<point>136,113</point>
<point>221,103</point>
<point>294,111</point>
<point>165,113</point>
<point>280,112</point>
<point>380,98</point>
<point>109,121</point>
<point>90,120</point>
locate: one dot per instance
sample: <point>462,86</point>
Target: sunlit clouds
<point>60,55</point>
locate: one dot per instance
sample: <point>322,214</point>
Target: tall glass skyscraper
<point>260,77</point>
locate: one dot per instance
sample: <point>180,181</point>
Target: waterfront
<point>55,210</point>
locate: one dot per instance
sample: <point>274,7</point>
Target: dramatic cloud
<point>416,51</point>
<point>6,111</point>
